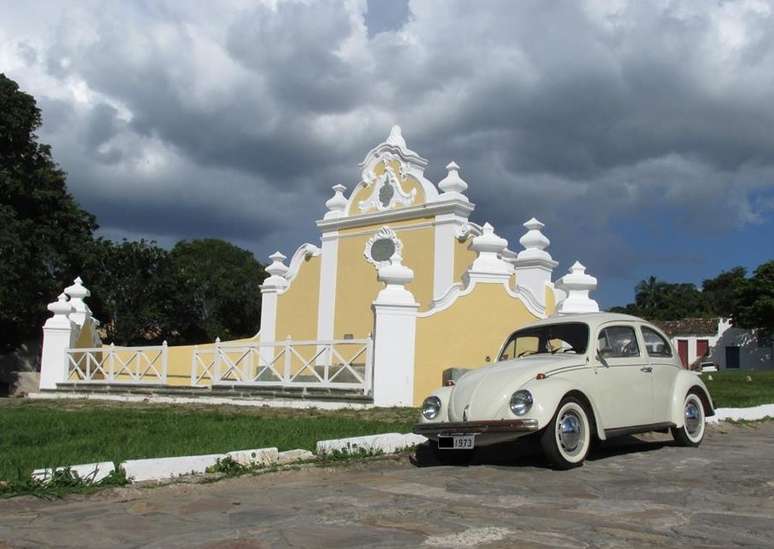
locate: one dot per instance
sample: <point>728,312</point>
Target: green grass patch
<point>35,434</point>
<point>741,388</point>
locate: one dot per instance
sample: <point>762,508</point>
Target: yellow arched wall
<point>463,258</point>
<point>297,307</point>
<point>462,336</point>
<point>356,282</point>
<point>408,184</point>
<point>550,301</point>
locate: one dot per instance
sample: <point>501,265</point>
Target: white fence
<point>333,364</point>
<point>115,365</point>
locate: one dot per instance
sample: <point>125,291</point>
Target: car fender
<point>548,393</point>
<point>685,381</point>
<point>444,394</point>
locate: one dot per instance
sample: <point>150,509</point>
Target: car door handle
<point>646,369</point>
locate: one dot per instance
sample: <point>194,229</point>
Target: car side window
<point>618,342</point>
<point>655,344</point>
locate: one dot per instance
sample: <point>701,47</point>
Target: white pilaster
<point>57,337</point>
<point>446,227</point>
<point>328,271</point>
<point>270,290</point>
<point>395,317</point>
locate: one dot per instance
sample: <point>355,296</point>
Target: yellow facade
<point>297,307</point>
<point>468,334</point>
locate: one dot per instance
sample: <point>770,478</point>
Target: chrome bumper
<point>498,426</point>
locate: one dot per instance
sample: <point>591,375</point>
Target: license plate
<point>457,442</point>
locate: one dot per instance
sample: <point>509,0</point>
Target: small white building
<point>716,340</point>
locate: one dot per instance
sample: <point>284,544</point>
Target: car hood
<point>485,391</point>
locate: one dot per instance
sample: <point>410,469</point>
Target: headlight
<point>521,402</point>
<point>430,407</point>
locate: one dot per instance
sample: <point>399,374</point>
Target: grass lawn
<point>730,389</point>
<point>36,433</point>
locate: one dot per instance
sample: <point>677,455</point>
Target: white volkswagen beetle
<point>569,379</point>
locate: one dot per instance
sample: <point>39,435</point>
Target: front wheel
<point>692,432</point>
<point>566,439</point>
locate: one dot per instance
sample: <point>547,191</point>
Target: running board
<point>620,431</point>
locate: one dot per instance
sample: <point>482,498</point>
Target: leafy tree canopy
<point>747,301</point>
<point>43,231</point>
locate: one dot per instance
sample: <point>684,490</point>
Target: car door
<point>623,378</point>
<point>662,359</point>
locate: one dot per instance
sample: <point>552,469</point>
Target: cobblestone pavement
<point>632,493</point>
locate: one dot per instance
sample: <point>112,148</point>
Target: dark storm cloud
<point>176,120</point>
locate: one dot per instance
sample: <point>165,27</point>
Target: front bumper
<point>487,432</point>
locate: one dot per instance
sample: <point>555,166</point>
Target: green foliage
<point>43,231</point>
<point>231,468</point>
<point>222,284</point>
<point>659,300</point>
<point>754,305</point>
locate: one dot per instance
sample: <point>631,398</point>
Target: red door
<point>702,348</point>
<point>682,350</point>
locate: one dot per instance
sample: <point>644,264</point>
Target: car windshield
<point>567,337</point>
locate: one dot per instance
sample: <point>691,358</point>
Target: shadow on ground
<point>526,452</point>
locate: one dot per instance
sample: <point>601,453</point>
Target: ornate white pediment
<point>387,190</point>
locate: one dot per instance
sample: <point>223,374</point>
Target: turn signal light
<point>540,376</point>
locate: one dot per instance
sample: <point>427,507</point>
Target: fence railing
<point>333,364</point>
<point>112,364</point>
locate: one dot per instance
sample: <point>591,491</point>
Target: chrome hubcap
<point>570,431</point>
<point>693,418</point>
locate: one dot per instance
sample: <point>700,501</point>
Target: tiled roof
<point>689,326</point>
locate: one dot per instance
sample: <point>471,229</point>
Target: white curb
<point>259,457</point>
<point>294,456</point>
<point>160,468</point>
<point>735,414</point>
<point>387,443</point>
<point>93,472</point>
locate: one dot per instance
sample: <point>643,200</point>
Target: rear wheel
<point>692,432</point>
<point>566,439</point>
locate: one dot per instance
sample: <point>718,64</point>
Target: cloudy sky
<point>641,133</point>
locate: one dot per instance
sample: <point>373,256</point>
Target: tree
<point>44,234</point>
<point>659,300</point>
<point>721,294</point>
<point>754,306</point>
<point>222,282</point>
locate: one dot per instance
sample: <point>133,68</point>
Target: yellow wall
<point>463,258</point>
<point>462,336</point>
<point>550,301</point>
<point>297,307</point>
<point>363,192</point>
<point>356,282</point>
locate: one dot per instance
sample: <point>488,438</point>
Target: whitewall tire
<point>567,438</point>
<point>692,431</point>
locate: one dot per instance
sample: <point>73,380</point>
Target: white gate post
<point>57,338</point>
<point>395,319</point>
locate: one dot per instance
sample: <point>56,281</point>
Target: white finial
<point>453,185</point>
<point>534,242</point>
<point>577,284</point>
<point>489,246</point>
<point>77,290</point>
<point>277,270</point>
<point>337,204</point>
<point>81,311</point>
<point>396,137</point>
<point>395,276</point>
<point>61,309</point>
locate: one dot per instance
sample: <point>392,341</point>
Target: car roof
<point>592,319</point>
